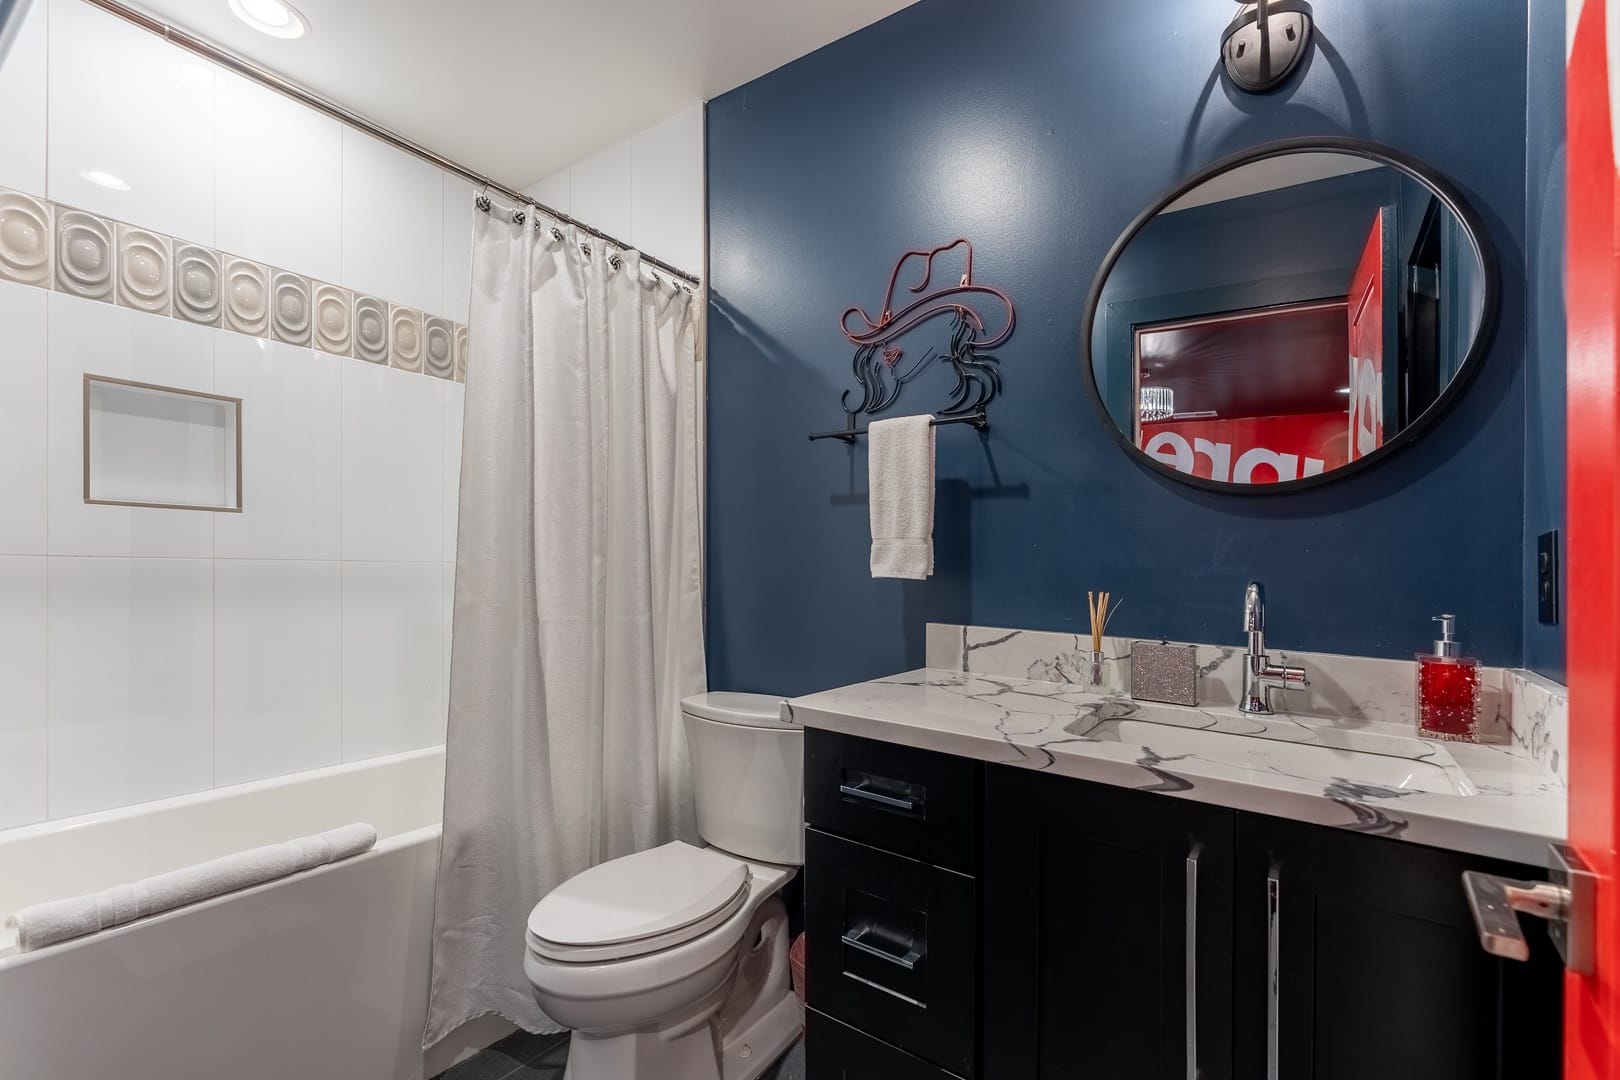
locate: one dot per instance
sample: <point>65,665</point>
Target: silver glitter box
<point>1163,672</point>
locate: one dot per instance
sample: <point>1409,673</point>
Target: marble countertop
<point>1365,776</point>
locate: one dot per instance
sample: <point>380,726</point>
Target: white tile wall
<point>458,227</point>
<point>131,681</point>
<point>22,105</point>
<point>393,657</point>
<point>667,196</point>
<point>393,465</point>
<point>125,103</point>
<point>602,190</point>
<point>279,180</point>
<point>292,494</point>
<point>23,735</point>
<point>87,336</point>
<point>147,653</point>
<point>393,224</point>
<point>22,420</point>
<point>556,191</point>
<point>647,190</point>
<point>278,639</point>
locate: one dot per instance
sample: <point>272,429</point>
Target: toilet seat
<point>639,904</point>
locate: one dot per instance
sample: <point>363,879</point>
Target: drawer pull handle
<point>855,939</point>
<point>1273,974</point>
<point>893,802</point>
<point>1192,961</point>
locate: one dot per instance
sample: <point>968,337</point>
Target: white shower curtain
<point>578,602</point>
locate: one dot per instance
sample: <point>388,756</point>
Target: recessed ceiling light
<point>271,17</point>
<point>105,179</point>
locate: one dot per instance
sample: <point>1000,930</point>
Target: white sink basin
<point>1387,762</point>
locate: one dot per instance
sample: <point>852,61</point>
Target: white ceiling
<point>518,89</point>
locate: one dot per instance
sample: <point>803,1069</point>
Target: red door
<point>1592,1002</point>
<point>1369,325</point>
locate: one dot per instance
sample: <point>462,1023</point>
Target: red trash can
<point>796,967</point>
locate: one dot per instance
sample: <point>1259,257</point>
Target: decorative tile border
<point>1519,707</point>
<point>57,247</point>
<point>84,255</point>
<point>144,281</point>
<point>26,239</point>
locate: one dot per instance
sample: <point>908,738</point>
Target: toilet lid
<point>638,904</point>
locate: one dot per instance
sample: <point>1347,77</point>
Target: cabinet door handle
<point>1192,960</point>
<point>893,802</point>
<point>856,939</point>
<point>1273,970</point>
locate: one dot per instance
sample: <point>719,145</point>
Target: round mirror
<point>1289,315</point>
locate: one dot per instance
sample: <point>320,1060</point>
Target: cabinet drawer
<point>834,1051</point>
<point>892,948</point>
<point>913,802</point>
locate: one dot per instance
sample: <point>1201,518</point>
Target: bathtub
<point>323,974</point>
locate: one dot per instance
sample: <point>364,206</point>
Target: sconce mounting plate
<point>1265,43</point>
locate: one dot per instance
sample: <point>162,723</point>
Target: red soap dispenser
<point>1448,688</point>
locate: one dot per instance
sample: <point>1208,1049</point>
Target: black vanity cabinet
<point>891,911</point>
<point>1125,932</point>
<point>1357,957</point>
<point>988,922</point>
<point>1107,932</point>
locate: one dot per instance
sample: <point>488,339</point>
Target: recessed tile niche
<point>161,446</point>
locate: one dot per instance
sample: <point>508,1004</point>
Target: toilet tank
<point>747,776</point>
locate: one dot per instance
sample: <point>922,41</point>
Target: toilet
<point>672,963</point>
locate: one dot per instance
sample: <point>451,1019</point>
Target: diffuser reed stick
<point>1102,613</point>
<point>1102,609</point>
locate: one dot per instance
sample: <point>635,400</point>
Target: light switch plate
<point>1547,578</point>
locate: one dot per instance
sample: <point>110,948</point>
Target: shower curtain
<point>578,621</point>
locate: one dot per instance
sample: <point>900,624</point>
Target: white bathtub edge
<point>11,958</point>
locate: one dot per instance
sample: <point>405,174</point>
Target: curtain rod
<point>286,87</point>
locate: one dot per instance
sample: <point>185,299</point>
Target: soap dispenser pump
<point>1448,688</point>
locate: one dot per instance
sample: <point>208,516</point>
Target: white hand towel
<point>900,465</point>
<point>58,920</point>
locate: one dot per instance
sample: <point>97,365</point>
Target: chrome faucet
<point>1260,675</point>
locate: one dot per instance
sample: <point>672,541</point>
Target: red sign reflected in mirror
<point>1258,397</point>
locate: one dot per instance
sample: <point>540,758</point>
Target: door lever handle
<point>1496,902</point>
<point>1565,902</point>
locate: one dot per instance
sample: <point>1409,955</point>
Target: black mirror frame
<point>1489,313</point>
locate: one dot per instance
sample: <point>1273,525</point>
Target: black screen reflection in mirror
<point>1289,317</point>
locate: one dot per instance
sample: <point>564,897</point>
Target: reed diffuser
<point>1102,609</point>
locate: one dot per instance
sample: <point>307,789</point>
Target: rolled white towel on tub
<point>58,920</point>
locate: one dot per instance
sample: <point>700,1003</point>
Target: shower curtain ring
<point>482,202</point>
<point>556,234</point>
<point>519,217</point>
<point>615,262</point>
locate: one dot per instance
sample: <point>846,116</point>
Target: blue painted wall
<point>1544,475</point>
<point>1039,128</point>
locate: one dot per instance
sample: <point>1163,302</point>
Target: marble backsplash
<point>1520,707</point>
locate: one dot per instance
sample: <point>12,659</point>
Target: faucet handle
<point>1254,608</point>
<point>1291,678</point>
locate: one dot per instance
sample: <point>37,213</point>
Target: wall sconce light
<point>1265,43</point>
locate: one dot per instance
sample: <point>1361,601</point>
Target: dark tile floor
<point>543,1057</point>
